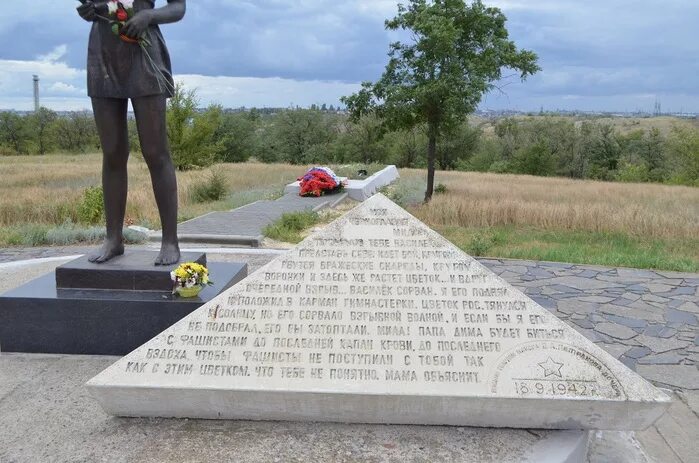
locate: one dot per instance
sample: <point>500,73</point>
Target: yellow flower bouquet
<point>189,279</point>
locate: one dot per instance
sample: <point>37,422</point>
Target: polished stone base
<point>133,271</point>
<point>38,317</point>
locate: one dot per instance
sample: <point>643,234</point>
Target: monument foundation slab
<point>378,319</point>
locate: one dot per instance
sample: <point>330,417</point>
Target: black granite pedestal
<point>53,314</point>
<point>131,271</point>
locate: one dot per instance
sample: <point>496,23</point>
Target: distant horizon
<point>479,111</point>
<point>599,56</point>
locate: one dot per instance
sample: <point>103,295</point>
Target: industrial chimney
<point>36,93</point>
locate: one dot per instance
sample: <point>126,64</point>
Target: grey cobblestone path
<point>250,220</point>
<point>647,319</point>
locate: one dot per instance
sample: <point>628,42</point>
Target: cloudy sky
<point>619,55</point>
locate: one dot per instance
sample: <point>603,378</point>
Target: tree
<point>297,131</point>
<point>683,156</point>
<point>235,138</point>
<point>363,140</point>
<point>604,151</point>
<point>457,146</point>
<point>76,133</point>
<point>14,132</point>
<point>40,123</point>
<point>191,134</point>
<point>456,55</point>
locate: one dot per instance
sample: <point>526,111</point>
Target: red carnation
<point>122,15</point>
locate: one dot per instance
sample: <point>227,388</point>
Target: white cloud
<point>61,88</point>
<point>384,8</point>
<point>540,5</point>
<point>607,53</point>
<point>264,92</point>
<point>55,54</point>
<point>57,79</point>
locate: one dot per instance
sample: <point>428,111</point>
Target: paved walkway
<point>647,319</point>
<point>245,224</point>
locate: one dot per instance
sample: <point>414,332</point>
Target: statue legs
<point>110,116</point>
<point>152,133</point>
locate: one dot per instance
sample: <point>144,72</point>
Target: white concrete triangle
<point>378,319</point>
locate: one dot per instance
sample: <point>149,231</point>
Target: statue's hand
<point>88,11</point>
<point>138,24</point>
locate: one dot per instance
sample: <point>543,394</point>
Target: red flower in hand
<point>122,15</point>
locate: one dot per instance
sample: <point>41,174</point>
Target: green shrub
<point>535,160</point>
<point>289,226</point>
<point>191,133</point>
<point>499,167</point>
<point>440,189</point>
<point>91,207</point>
<point>480,244</point>
<point>213,188</point>
<point>634,173</point>
<point>488,153</point>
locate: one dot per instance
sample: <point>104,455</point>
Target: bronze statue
<point>132,62</point>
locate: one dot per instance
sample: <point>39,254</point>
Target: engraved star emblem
<point>551,367</point>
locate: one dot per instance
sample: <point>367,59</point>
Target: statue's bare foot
<point>108,250</point>
<point>169,254</point>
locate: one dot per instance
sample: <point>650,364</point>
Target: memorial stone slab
<point>132,271</point>
<point>378,319</point>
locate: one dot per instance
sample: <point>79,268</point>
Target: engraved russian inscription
<point>377,304</point>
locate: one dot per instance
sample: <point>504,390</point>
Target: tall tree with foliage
<point>14,132</point>
<point>190,132</point>
<point>456,55</point>
<point>41,122</point>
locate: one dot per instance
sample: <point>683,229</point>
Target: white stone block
<point>359,190</point>
<point>378,319</point>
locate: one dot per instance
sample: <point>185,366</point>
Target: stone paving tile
<point>616,350</point>
<point>580,283</point>
<point>685,377</point>
<point>680,316</point>
<point>660,331</point>
<point>575,306</point>
<point>689,307</point>
<point>675,427</point>
<point>691,399</point>
<point>615,331</point>
<point>627,321</point>
<point>668,358</point>
<point>660,345</point>
<point>656,447</point>
<point>638,352</point>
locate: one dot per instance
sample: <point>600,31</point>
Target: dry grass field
<point>557,219</point>
<point>45,190</point>
<point>635,225</point>
<point>488,200</point>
